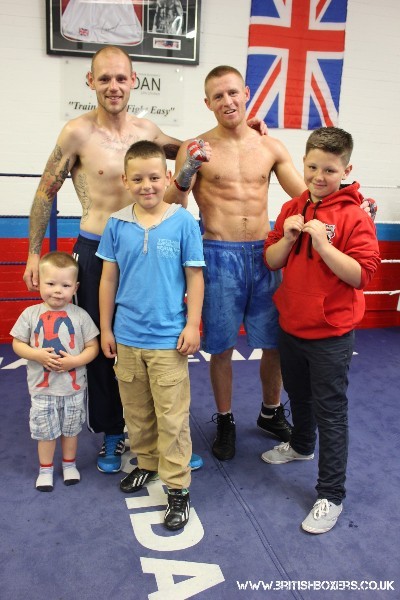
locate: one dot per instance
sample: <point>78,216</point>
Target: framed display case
<point>148,30</point>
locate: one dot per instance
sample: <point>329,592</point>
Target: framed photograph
<point>150,30</point>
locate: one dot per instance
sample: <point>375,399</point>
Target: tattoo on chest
<point>82,189</point>
<point>120,144</point>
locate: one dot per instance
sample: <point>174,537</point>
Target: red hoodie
<point>312,301</point>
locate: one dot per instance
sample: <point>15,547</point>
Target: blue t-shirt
<point>150,307</point>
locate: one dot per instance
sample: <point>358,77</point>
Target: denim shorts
<point>238,289</point>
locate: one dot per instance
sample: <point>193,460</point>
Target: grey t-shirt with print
<point>68,329</point>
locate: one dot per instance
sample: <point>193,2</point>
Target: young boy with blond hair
<point>58,339</point>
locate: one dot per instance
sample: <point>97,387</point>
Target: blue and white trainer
<point>196,462</point>
<point>109,457</point>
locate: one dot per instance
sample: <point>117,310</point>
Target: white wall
<point>31,96</point>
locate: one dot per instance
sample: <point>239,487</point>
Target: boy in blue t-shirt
<point>152,255</point>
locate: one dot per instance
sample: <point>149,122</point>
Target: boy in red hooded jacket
<point>330,252</point>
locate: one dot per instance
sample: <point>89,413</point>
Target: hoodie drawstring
<point>303,214</point>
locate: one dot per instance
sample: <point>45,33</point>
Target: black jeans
<point>104,410</point>
<point>315,376</point>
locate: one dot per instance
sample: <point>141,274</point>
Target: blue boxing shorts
<point>238,289</point>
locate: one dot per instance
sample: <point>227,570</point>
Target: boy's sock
<point>44,483</point>
<point>270,407</point>
<point>70,472</point>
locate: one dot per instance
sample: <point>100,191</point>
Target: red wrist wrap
<point>180,188</point>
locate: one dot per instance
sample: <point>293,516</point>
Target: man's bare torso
<point>232,189</point>
<point>99,166</point>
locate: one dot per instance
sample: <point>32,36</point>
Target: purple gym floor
<point>92,542</point>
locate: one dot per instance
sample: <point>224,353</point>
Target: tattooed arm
<point>57,168</point>
<point>169,144</point>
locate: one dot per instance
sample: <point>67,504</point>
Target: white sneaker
<point>44,483</point>
<point>71,476</point>
<point>322,517</point>
<point>284,453</point>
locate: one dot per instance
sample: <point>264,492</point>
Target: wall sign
<point>157,95</point>
<point>148,30</point>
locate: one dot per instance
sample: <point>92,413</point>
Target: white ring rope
<point>370,187</point>
<point>381,187</point>
<point>390,292</point>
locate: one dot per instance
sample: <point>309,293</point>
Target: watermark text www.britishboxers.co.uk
<point>317,586</point>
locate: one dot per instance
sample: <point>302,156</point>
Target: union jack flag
<point>295,61</point>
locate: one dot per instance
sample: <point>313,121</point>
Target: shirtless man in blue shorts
<point>231,191</point>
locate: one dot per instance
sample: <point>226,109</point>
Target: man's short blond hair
<point>110,50</point>
<point>220,71</point>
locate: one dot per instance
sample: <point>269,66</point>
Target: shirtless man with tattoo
<point>92,148</point>
<point>231,190</point>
